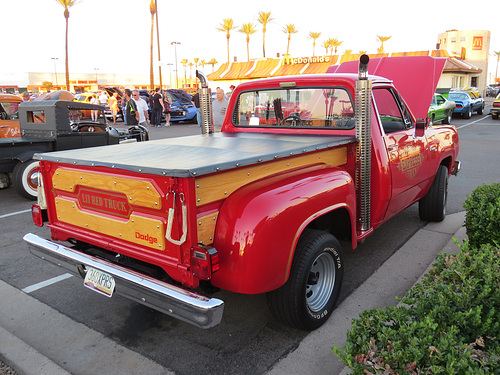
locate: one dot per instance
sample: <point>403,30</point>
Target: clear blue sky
<point>113,35</point>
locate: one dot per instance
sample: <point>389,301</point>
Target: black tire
<point>480,110</point>
<point>309,296</point>
<point>431,120</point>
<point>494,116</point>
<point>432,207</point>
<point>468,114</point>
<point>447,119</point>
<point>25,179</point>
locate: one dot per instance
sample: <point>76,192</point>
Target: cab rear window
<point>295,107</point>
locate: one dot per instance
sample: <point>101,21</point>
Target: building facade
<point>473,47</point>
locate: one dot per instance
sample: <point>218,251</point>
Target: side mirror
<point>421,125</point>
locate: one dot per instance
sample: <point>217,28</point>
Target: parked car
<point>441,109</point>
<point>492,90</point>
<point>9,116</point>
<point>181,108</point>
<point>85,97</point>
<point>466,102</point>
<point>495,107</point>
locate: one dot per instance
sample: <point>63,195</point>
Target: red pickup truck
<point>301,162</point>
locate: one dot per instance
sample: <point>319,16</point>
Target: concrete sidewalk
<point>35,339</point>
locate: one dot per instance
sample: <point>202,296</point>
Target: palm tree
<point>203,63</point>
<point>382,39</point>
<point>289,29</point>
<point>326,46</point>
<point>334,43</point>
<point>212,62</point>
<point>248,29</point>
<point>227,26</point>
<point>184,63</point>
<point>190,70</point>
<point>264,19</point>
<point>196,60</point>
<point>67,4</point>
<point>314,36</point>
<point>152,9</point>
<point>497,53</point>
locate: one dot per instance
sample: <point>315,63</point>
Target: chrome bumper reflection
<point>169,299</point>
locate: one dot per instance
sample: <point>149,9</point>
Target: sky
<point>113,36</point>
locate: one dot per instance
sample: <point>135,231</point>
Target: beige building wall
<point>474,47</point>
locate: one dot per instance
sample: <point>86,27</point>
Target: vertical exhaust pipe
<point>363,133</point>
<point>207,126</point>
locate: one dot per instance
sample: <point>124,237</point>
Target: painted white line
<point>15,213</point>
<point>45,283</point>
<point>473,122</point>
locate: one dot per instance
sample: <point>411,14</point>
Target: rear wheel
<point>432,207</point>
<point>25,178</point>
<point>468,114</point>
<point>308,298</point>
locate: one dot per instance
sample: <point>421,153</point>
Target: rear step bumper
<point>169,299</point>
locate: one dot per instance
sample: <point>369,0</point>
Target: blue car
<point>466,103</point>
<point>181,108</point>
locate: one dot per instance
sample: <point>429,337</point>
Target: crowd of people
<point>138,111</point>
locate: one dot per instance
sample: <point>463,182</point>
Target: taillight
<point>204,262</point>
<point>496,104</point>
<point>37,214</point>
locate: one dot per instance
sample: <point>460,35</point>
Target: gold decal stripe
<point>141,193</point>
<point>220,185</point>
<point>137,229</point>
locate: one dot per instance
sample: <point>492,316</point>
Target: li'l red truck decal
<point>101,201</point>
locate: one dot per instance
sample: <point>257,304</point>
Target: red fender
<point>259,225</point>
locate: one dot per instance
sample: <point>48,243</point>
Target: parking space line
<point>45,283</point>
<point>473,122</point>
<point>15,213</point>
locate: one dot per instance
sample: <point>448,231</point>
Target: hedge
<point>447,324</point>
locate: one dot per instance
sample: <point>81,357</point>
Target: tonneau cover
<point>197,155</point>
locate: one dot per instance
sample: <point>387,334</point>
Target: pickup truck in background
<point>301,162</point>
<point>53,125</point>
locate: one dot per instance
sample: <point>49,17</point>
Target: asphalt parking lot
<point>249,341</point>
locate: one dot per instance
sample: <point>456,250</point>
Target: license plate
<point>99,281</point>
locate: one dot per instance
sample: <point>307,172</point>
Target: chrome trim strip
<point>169,299</point>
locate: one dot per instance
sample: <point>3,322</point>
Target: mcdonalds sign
<point>477,43</point>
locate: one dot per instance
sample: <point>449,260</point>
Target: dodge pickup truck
<point>301,162</point>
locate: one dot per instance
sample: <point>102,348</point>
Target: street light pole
<point>55,69</point>
<point>96,69</point>
<point>176,70</point>
<point>170,73</point>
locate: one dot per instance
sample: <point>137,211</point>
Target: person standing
<point>131,114</point>
<point>196,102</point>
<point>113,106</point>
<point>157,108</point>
<point>103,98</point>
<point>219,107</point>
<point>142,108</point>
<point>166,105</point>
<point>94,113</point>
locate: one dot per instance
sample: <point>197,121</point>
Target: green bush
<point>447,324</point>
<point>482,219</point>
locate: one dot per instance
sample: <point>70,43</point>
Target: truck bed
<point>197,155</point>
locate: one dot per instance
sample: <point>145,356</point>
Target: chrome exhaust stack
<point>363,133</point>
<point>207,126</point>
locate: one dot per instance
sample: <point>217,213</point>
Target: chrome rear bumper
<point>169,299</point>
